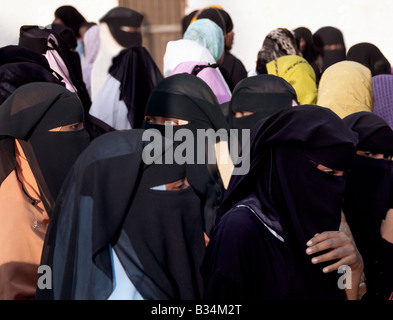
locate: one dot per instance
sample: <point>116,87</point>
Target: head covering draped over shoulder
<point>28,115</point>
<point>263,95</point>
<point>71,17</point>
<point>208,73</point>
<point>157,234</point>
<point>298,73</point>
<point>383,97</point>
<point>184,50</point>
<point>208,34</point>
<point>345,88</point>
<point>33,165</point>
<point>368,197</point>
<point>370,56</point>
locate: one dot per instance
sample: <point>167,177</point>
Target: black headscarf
<point>187,97</point>
<point>367,192</point>
<point>27,115</point>
<point>328,36</point>
<point>262,94</point>
<point>309,51</point>
<point>158,235</point>
<point>71,18</point>
<point>297,199</point>
<point>219,16</point>
<point>19,66</point>
<point>120,17</point>
<point>370,56</point>
<point>138,74</point>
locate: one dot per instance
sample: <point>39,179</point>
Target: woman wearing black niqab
<point>368,197</point>
<point>155,233</point>
<point>258,247</point>
<point>189,103</point>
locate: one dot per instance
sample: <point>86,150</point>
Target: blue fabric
<point>208,34</point>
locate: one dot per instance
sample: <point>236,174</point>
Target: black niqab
<point>187,97</point>
<point>120,17</point>
<point>329,36</point>
<point>297,200</point>
<point>263,95</point>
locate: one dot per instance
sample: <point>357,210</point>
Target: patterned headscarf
<point>279,42</point>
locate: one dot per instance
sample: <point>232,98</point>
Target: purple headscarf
<point>210,75</point>
<point>383,97</point>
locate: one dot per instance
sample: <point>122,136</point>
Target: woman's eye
<point>149,120</point>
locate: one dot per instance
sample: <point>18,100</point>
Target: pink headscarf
<point>91,42</point>
<point>210,75</point>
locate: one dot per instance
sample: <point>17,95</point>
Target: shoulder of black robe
<point>36,39</point>
<point>224,272</point>
<point>14,53</point>
<point>370,56</point>
<point>81,228</point>
<point>138,75</point>
<point>118,149</point>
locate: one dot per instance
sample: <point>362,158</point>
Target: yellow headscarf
<point>299,73</point>
<point>345,88</point>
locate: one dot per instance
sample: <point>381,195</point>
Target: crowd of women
<point>311,218</point>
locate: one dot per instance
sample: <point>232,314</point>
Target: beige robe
<point>23,228</point>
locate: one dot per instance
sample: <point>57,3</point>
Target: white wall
<point>15,13</point>
<point>359,20</point>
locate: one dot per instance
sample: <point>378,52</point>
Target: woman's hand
<point>387,226</point>
<point>342,248</point>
